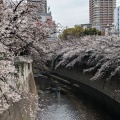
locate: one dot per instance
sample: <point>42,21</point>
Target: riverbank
<point>101,91</point>
<point>91,64</point>
<point>25,108</point>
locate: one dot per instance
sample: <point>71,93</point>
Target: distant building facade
<point>47,18</point>
<point>44,15</point>
<point>42,3</point>
<point>86,25</point>
<point>110,31</point>
<point>117,20</point>
<point>101,13</point>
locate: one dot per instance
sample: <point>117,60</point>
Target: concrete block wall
<point>106,92</point>
<point>24,108</point>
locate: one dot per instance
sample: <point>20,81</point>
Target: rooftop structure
<point>86,25</point>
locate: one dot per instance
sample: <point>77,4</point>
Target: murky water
<point>67,106</point>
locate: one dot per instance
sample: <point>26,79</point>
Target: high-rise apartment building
<point>101,13</point>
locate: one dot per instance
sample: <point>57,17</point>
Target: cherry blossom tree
<point>21,33</point>
<point>21,27</point>
<point>98,55</point>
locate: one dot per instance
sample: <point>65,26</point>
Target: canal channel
<point>60,102</point>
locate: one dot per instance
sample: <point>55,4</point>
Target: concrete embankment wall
<point>24,109</point>
<point>104,91</point>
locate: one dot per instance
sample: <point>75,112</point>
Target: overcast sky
<point>70,12</point>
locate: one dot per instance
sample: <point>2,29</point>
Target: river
<point>69,105</point>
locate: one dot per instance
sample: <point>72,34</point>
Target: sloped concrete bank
<point>25,108</point>
<point>105,92</point>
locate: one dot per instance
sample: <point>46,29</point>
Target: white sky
<point>70,12</point>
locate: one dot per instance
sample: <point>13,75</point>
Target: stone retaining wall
<point>104,91</point>
<point>25,108</point>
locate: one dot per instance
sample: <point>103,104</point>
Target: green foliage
<point>92,31</point>
<point>78,31</point>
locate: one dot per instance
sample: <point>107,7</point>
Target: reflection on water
<point>58,96</point>
<point>58,106</point>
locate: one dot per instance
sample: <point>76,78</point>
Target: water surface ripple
<point>57,106</point>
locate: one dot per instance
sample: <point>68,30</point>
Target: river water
<point>65,105</point>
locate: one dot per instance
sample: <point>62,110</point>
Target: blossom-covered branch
<point>98,55</point>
